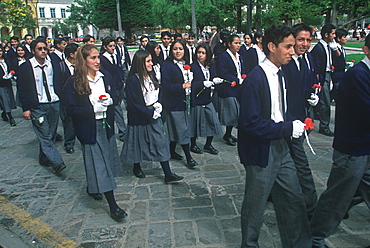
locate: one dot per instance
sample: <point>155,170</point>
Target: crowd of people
<point>176,91</point>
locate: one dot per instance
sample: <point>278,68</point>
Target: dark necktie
<point>62,56</point>
<point>45,83</point>
<point>166,52</point>
<point>113,62</point>
<point>282,97</point>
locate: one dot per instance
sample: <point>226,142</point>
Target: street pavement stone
<point>201,211</point>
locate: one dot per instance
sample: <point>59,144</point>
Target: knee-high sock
<point>137,167</point>
<point>186,150</point>
<point>166,168</point>
<point>172,147</point>
<point>111,200</point>
<point>228,131</point>
<point>209,141</point>
<point>193,142</point>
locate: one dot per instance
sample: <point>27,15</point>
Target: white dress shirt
<point>97,89</point>
<point>237,64</point>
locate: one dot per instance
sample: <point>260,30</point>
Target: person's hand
<point>314,100</point>
<point>186,85</point>
<point>99,107</point>
<point>333,45</point>
<point>298,128</point>
<point>208,84</point>
<point>27,115</point>
<point>156,115</point>
<point>218,80</point>
<point>350,64</point>
<point>157,107</point>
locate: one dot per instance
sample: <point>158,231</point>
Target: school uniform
<point>165,52</point>
<point>28,51</point>
<point>173,99</point>
<point>230,69</point>
<point>339,64</point>
<point>250,58</point>
<point>95,131</point>
<point>204,120</point>
<point>43,102</point>
<point>117,73</point>
<point>11,57</point>
<point>145,139</point>
<point>191,53</point>
<point>56,57</point>
<point>264,132</point>
<point>6,89</point>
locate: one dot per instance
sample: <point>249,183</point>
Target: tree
<point>16,14</point>
<point>65,27</point>
<point>82,13</point>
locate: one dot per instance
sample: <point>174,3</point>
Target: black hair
<point>14,38</point>
<point>150,48</point>
<point>119,38</point>
<point>191,34</point>
<point>301,27</point>
<point>208,53</point>
<point>367,41</point>
<point>249,34</point>
<point>186,51</point>
<point>70,48</point>
<point>143,37</point>
<point>58,41</point>
<point>28,35</point>
<point>177,36</point>
<point>138,68</point>
<point>339,33</point>
<point>35,42</point>
<point>165,33</point>
<point>256,35</point>
<point>275,34</point>
<point>105,42</point>
<point>327,29</point>
<point>87,38</point>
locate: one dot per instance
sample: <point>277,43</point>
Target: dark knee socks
<point>172,147</point>
<point>186,150</point>
<point>166,168</point>
<point>111,201</point>
<point>228,131</point>
<point>193,142</point>
<point>209,141</point>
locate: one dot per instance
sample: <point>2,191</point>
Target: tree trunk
<point>258,17</point>
<point>334,14</point>
<point>328,16</point>
<point>239,18</point>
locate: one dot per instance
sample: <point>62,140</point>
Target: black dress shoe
<point>46,164</point>
<point>4,116</point>
<point>234,139</point>
<point>118,215</point>
<point>58,137</point>
<point>139,173</point>
<point>191,163</point>
<point>59,168</point>
<point>196,149</point>
<point>96,196</point>
<point>176,156</point>
<point>172,178</point>
<point>70,150</point>
<point>229,141</point>
<point>326,132</point>
<point>210,149</point>
<point>12,122</point>
<point>320,246</point>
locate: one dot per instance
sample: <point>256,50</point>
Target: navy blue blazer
<point>173,95</point>
<point>352,113</point>
<point>55,59</point>
<point>256,128</point>
<point>250,60</point>
<point>339,63</point>
<point>26,86</point>
<point>28,54</point>
<point>12,58</point>
<point>115,70</point>
<point>137,111</point>
<point>127,55</point>
<point>197,85</point>
<point>320,59</point>
<point>62,74</point>
<point>226,70</point>
<point>161,56</point>
<point>82,112</point>
<point>4,82</point>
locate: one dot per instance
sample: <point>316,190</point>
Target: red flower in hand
<point>244,76</point>
<point>353,60</point>
<point>12,72</point>
<point>233,84</point>
<point>332,67</point>
<point>309,124</point>
<point>102,97</point>
<point>187,67</point>
<point>316,86</point>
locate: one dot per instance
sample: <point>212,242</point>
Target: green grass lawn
<point>355,44</point>
<point>356,57</point>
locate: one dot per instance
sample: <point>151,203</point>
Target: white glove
<point>156,115</point>
<point>350,64</point>
<point>8,76</point>
<point>99,107</point>
<point>314,100</point>
<point>157,107</point>
<point>106,101</point>
<point>208,84</point>
<point>218,80</point>
<point>298,128</point>
<point>333,45</point>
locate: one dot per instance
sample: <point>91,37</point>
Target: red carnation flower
<point>316,86</point>
<point>353,60</point>
<point>187,67</point>
<point>12,72</point>
<point>102,97</point>
<point>332,67</point>
<point>309,124</point>
<point>233,84</point>
<point>244,76</point>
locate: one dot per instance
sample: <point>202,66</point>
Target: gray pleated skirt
<point>204,121</point>
<point>7,99</point>
<point>178,126</point>
<point>228,112</point>
<point>97,160</point>
<point>146,142</point>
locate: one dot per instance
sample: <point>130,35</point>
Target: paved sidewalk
<point>42,209</point>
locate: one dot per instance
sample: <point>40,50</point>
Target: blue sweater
<point>352,113</point>
<point>197,85</point>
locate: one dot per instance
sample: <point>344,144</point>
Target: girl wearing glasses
<point>145,139</point>
<point>90,100</point>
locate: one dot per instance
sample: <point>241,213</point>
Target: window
<point>42,12</point>
<point>52,12</point>
<point>63,13</point>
